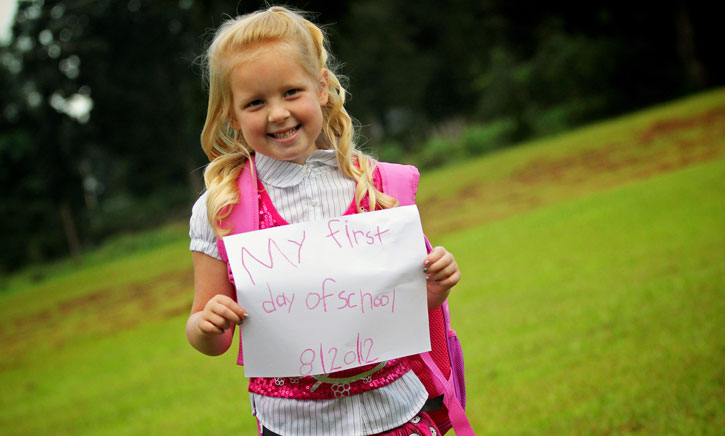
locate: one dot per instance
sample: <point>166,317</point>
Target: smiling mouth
<point>285,134</point>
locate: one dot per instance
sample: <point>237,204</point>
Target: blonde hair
<point>226,148</point>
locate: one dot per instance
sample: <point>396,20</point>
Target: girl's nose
<point>278,113</point>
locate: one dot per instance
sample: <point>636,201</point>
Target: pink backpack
<point>441,369</point>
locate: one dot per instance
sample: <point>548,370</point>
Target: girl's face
<point>277,105</point>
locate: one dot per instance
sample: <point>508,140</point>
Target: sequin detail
<point>310,388</point>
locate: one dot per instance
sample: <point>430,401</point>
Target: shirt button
<point>314,203</point>
<point>307,170</point>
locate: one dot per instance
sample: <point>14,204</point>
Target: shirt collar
<point>285,174</point>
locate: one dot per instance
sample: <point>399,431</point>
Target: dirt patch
<point>670,126</point>
<point>147,294</point>
<point>561,170</point>
<point>698,144</point>
<point>105,311</point>
<point>664,145</point>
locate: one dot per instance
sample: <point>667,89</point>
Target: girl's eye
<point>291,92</point>
<point>254,103</point>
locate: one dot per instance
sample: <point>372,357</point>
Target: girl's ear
<point>324,87</point>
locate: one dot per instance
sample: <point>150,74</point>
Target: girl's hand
<point>220,313</point>
<point>441,273</point>
<point>214,312</point>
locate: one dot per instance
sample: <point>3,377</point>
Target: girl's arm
<point>441,274</point>
<point>214,312</point>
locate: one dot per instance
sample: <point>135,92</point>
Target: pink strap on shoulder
<point>399,181</point>
<point>245,217</point>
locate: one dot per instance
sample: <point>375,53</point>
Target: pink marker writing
<point>269,264</point>
<point>353,237</point>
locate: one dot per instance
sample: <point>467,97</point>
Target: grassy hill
<point>592,300</point>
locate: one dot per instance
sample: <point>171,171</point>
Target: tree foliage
<point>102,103</point>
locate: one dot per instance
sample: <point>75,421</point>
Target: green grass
<point>592,299</point>
<point>99,348</point>
<point>603,315</point>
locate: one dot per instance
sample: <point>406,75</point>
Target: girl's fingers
<point>234,307</point>
<point>449,281</point>
<point>220,321</point>
<point>238,312</point>
<point>228,309</point>
<point>219,314</point>
<point>443,262</point>
<point>444,271</point>
<point>435,254</point>
<point>441,265</point>
<point>209,327</point>
<point>439,275</point>
<point>444,284</point>
<point>229,314</point>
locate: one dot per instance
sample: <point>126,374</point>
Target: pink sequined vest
<point>324,386</point>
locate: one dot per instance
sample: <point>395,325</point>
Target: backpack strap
<point>456,414</point>
<point>401,182</point>
<point>243,218</point>
<point>245,215</point>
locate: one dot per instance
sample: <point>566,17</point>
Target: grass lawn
<point>592,300</point>
<point>603,315</point>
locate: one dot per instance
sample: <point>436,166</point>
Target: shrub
<point>437,151</point>
<point>482,138</point>
<point>390,151</point>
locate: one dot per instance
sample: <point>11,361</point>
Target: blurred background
<point>102,102</point>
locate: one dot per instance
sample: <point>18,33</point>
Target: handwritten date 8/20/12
<point>331,359</point>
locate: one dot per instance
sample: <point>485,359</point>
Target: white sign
<point>331,295</point>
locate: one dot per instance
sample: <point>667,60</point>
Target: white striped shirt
<point>300,193</point>
<point>314,191</point>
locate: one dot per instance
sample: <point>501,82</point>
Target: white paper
<point>330,295</point>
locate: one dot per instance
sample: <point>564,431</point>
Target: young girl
<point>276,108</point>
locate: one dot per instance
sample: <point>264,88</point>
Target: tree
<point>40,141</point>
<point>131,158</point>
